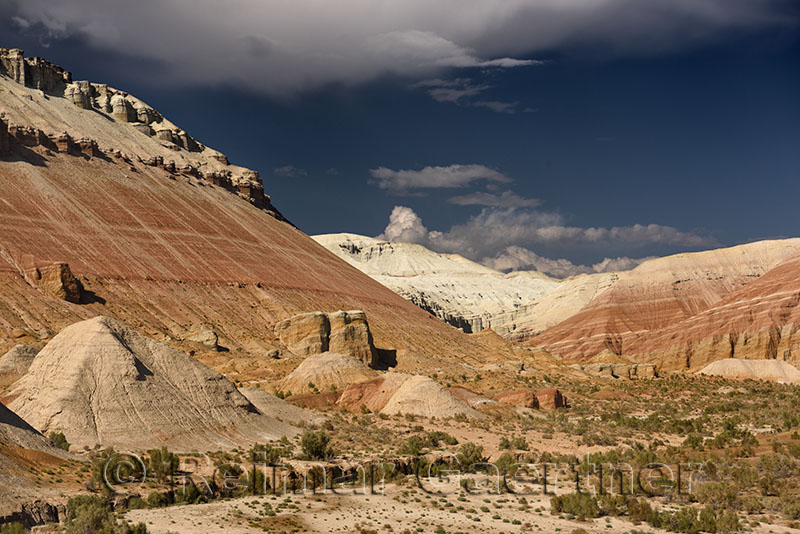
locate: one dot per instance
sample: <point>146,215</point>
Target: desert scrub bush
<point>89,514</point>
<point>718,495</point>
<point>412,446</point>
<point>791,508</point>
<point>436,437</point>
<point>581,505</point>
<point>12,528</point>
<point>59,440</point>
<point>162,463</point>
<point>189,494</point>
<point>316,445</point>
<point>270,454</point>
<point>157,500</point>
<point>470,454</point>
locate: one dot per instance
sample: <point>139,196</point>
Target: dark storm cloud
<point>280,48</point>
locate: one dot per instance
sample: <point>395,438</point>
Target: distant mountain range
<point>680,311</point>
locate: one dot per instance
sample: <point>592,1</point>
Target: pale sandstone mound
<point>15,363</point>
<point>343,332</point>
<point>280,409</point>
<point>99,382</point>
<point>423,396</point>
<point>659,294</point>
<point>772,370</point>
<point>400,393</point>
<point>461,292</point>
<point>327,372</point>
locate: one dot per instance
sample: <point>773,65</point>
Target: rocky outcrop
<point>204,336</point>
<point>35,72</point>
<point>15,363</point>
<point>524,398</point>
<point>619,370</point>
<point>344,332</point>
<point>120,107</point>
<point>56,280</point>
<point>305,334</point>
<point>36,513</point>
<point>350,334</point>
<point>101,383</point>
<point>551,399</point>
<point>3,137</point>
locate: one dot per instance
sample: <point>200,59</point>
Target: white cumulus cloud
<point>515,258</point>
<point>503,238</point>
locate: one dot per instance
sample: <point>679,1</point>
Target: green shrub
<point>791,508</point>
<point>412,446</point>
<point>157,500</point>
<point>12,528</point>
<point>59,440</point>
<point>162,463</point>
<point>315,445</point>
<point>88,514</point>
<point>581,505</point>
<point>468,455</point>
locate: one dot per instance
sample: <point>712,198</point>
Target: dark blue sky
<point>704,139</point>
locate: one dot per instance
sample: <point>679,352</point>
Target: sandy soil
<point>398,510</point>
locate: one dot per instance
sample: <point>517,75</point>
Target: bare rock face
<point>644,371</point>
<point>305,334</point>
<point>32,72</point>
<point>204,336</point>
<point>122,109</point>
<point>80,93</point>
<point>56,280</point>
<point>343,332</point>
<point>12,64</point>
<point>463,293</point>
<point>551,399</point>
<point>99,382</point>
<point>524,398</point>
<point>15,363</point>
<point>350,335</point>
<point>3,137</point>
